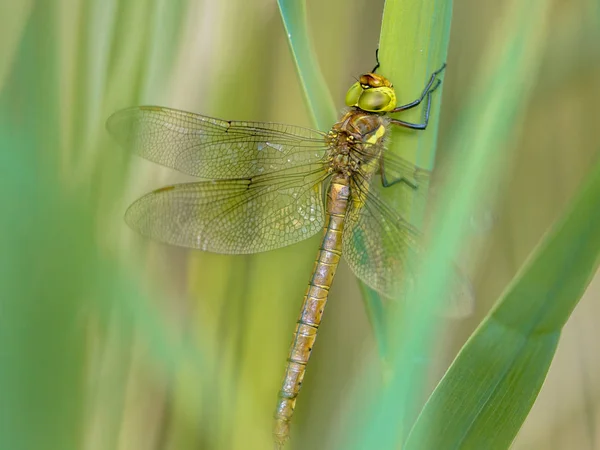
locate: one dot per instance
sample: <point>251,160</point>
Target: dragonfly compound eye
<point>354,94</point>
<point>377,100</point>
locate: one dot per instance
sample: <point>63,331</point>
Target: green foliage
<point>105,347</point>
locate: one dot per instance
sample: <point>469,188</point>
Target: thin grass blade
<point>316,94</point>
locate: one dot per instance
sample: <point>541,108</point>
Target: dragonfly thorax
<point>355,141</point>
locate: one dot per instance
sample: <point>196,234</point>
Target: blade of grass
<point>488,391</point>
<point>317,96</point>
<point>413,44</point>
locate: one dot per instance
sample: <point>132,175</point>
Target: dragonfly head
<point>372,93</point>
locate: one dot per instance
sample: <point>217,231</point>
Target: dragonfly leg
<point>423,125</point>
<point>429,88</point>
<point>388,183</point>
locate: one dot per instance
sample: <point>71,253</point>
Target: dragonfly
<point>263,189</point>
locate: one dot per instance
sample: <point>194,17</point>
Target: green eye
<point>354,94</point>
<point>376,100</point>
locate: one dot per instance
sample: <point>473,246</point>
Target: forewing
<point>212,148</point>
<point>384,250</point>
<point>233,216</point>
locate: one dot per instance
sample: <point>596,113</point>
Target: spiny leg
<point>429,88</point>
<point>387,183</point>
<point>418,126</point>
<point>432,85</point>
<point>411,182</point>
<point>414,126</point>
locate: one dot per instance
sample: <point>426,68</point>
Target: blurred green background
<point>109,341</point>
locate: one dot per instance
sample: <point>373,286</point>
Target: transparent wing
<point>212,148</point>
<point>383,249</point>
<point>396,168</point>
<point>233,216</point>
<point>377,243</point>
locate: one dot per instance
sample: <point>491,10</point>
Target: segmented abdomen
<point>313,306</point>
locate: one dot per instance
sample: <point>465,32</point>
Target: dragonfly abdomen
<point>313,305</point>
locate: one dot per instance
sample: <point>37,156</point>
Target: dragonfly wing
<point>212,148</point>
<point>384,250</point>
<point>398,169</point>
<point>378,244</point>
<point>233,216</point>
